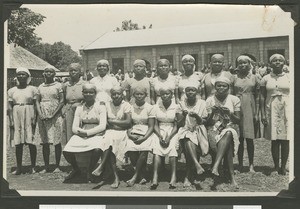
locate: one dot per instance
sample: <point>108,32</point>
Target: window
<point>117,63</point>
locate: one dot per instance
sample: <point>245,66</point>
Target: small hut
<point>20,57</point>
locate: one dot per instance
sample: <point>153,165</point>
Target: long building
<point>257,40</point>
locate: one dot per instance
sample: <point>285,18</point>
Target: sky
<point>79,25</point>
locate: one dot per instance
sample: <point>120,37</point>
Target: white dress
<point>92,119</point>
<point>117,137</point>
<point>104,85</point>
<point>166,119</point>
<point>140,115</point>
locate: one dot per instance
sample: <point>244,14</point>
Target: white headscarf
<point>25,70</point>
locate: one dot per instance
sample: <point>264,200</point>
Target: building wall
<point>258,48</point>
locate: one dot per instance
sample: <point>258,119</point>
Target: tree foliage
<point>21,26</point>
<point>58,54</point>
<point>130,25</point>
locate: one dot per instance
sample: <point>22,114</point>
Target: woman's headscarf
<point>223,79</point>
<point>139,88</point>
<point>89,86</point>
<point>139,61</point>
<point>193,84</point>
<point>166,88</point>
<point>76,66</point>
<point>188,57</point>
<point>276,55</point>
<point>244,57</point>
<point>117,88</point>
<point>103,61</point>
<point>25,70</point>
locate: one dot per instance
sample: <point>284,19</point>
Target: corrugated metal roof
<point>20,57</point>
<point>190,34</point>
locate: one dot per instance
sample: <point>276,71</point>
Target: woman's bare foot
<point>199,169</point>
<point>115,184</point>
<point>131,182</point>
<point>234,183</point>
<point>97,172</point>
<point>17,171</point>
<point>143,181</point>
<point>251,169</point>
<point>215,172</point>
<point>187,182</point>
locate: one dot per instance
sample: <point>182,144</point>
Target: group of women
<point>194,115</point>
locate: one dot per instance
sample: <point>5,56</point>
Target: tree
<point>21,27</point>
<point>129,25</point>
<point>59,54</point>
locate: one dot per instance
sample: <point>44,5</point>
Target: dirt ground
<point>263,180</point>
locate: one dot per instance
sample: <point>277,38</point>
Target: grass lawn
<point>264,180</point>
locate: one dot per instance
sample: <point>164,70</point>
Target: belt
<point>22,104</point>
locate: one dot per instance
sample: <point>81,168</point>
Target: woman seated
<point>223,119</point>
<point>118,121</point>
<point>192,134</point>
<point>165,128</point>
<point>140,136</point>
<point>88,127</point>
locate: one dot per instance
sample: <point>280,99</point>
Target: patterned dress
<point>23,113</point>
<point>191,130</point>
<point>140,116</point>
<point>73,96</point>
<point>166,119</point>
<point>245,89</point>
<point>49,131</point>
<point>92,119</point>
<point>277,105</point>
<point>214,135</point>
<point>104,85</point>
<point>117,137</point>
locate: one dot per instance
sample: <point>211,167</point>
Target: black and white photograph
<point>148,100</point>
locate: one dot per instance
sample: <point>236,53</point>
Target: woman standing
<point>22,117</point>
<point>275,89</point>
<point>140,136</point>
<point>193,134</point>
<point>104,82</point>
<point>188,65</point>
<point>139,80</point>
<point>73,98</point>
<point>118,121</point>
<point>166,129</point>
<point>164,79</point>
<point>49,101</point>
<point>246,88</point>
<point>88,128</point>
<point>223,119</point>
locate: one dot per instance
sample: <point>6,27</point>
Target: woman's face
<point>74,73</point>
<point>49,73</point>
<point>190,92</point>
<point>89,94</point>
<point>102,69</point>
<point>117,96</point>
<point>188,65</point>
<point>163,67</point>
<point>217,63</point>
<point>165,95</point>
<point>277,63</point>
<point>244,64</point>
<point>22,77</point>
<point>139,96</point>
<point>139,69</point>
<point>222,88</point>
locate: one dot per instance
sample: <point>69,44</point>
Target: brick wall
<point>231,50</point>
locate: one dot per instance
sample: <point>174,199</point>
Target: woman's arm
<point>124,123</point>
<point>180,117</point>
<point>257,101</point>
<point>173,133</point>
<point>76,122</point>
<point>60,104</point>
<point>153,96</point>
<point>263,95</point>
<point>151,123</point>
<point>38,107</point>
<point>10,113</point>
<point>176,96</point>
<point>235,117</point>
<point>102,122</point>
<point>157,130</point>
